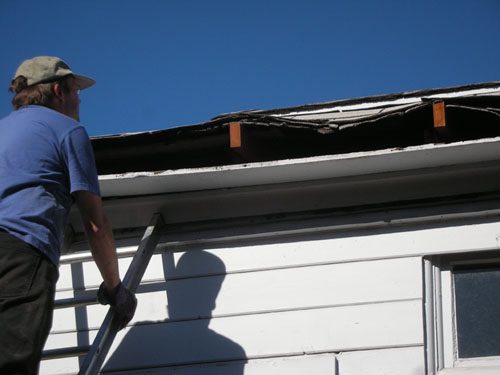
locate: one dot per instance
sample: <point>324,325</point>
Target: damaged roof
<point>365,124</point>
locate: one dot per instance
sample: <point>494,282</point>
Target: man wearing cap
<point>46,164</point>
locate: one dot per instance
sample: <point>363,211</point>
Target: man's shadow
<point>184,337</point>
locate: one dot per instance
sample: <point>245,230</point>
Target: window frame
<point>440,316</point>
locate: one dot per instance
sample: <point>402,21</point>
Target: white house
<point>345,238</point>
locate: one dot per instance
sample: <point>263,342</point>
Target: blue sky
<point>161,64</point>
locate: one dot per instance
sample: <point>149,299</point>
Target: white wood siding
<point>331,301</point>
<point>400,361</point>
<point>299,365</point>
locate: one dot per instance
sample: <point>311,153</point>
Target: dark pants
<point>27,288</point>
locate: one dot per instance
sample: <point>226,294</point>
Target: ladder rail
<point>107,332</point>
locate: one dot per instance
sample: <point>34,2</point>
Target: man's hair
<point>39,94</point>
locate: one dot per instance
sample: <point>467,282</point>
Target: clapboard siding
<point>256,307</point>
<point>335,329</point>
<point>86,275</point>
<point>399,361</point>
<point>282,289</point>
<point>59,366</point>
<point>320,248</point>
<point>320,364</point>
<point>242,256</point>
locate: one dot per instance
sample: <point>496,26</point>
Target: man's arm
<point>100,237</point>
<point>102,246</point>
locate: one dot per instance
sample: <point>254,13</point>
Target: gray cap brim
<point>83,82</point>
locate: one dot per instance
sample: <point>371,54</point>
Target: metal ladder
<point>97,352</point>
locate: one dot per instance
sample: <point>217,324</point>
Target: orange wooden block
<point>235,134</point>
<point>439,116</point>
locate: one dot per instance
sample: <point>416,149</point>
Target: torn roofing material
<point>338,127</point>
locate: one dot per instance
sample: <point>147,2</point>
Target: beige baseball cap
<point>43,69</point>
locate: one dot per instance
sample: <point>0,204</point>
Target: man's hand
<point>121,300</point>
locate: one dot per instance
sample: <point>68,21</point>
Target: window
<point>462,307</point>
<point>477,306</point>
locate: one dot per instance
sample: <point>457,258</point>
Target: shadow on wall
<point>184,338</point>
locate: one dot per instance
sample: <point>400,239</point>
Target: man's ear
<point>58,91</point>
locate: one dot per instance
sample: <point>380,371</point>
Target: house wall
<point>345,302</point>
<point>316,277</point>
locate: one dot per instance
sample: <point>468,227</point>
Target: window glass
<point>477,299</point>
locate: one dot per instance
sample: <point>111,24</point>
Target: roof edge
<point>313,107</point>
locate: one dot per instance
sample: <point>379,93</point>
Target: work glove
<point>122,301</point>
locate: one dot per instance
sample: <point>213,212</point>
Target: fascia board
<point>300,170</point>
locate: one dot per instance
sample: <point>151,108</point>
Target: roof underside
<point>366,124</point>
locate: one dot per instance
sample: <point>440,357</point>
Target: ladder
<point>97,352</point>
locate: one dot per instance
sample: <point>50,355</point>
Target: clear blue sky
<point>160,64</point>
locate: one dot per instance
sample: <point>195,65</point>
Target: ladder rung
<point>65,352</point>
<point>75,302</point>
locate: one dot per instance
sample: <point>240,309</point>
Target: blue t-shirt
<point>45,156</point>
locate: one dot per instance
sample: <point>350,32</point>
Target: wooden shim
<point>438,110</point>
<point>235,135</point>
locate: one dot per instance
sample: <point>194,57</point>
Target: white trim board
<point>299,170</point>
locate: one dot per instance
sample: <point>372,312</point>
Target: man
<point>46,163</point>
